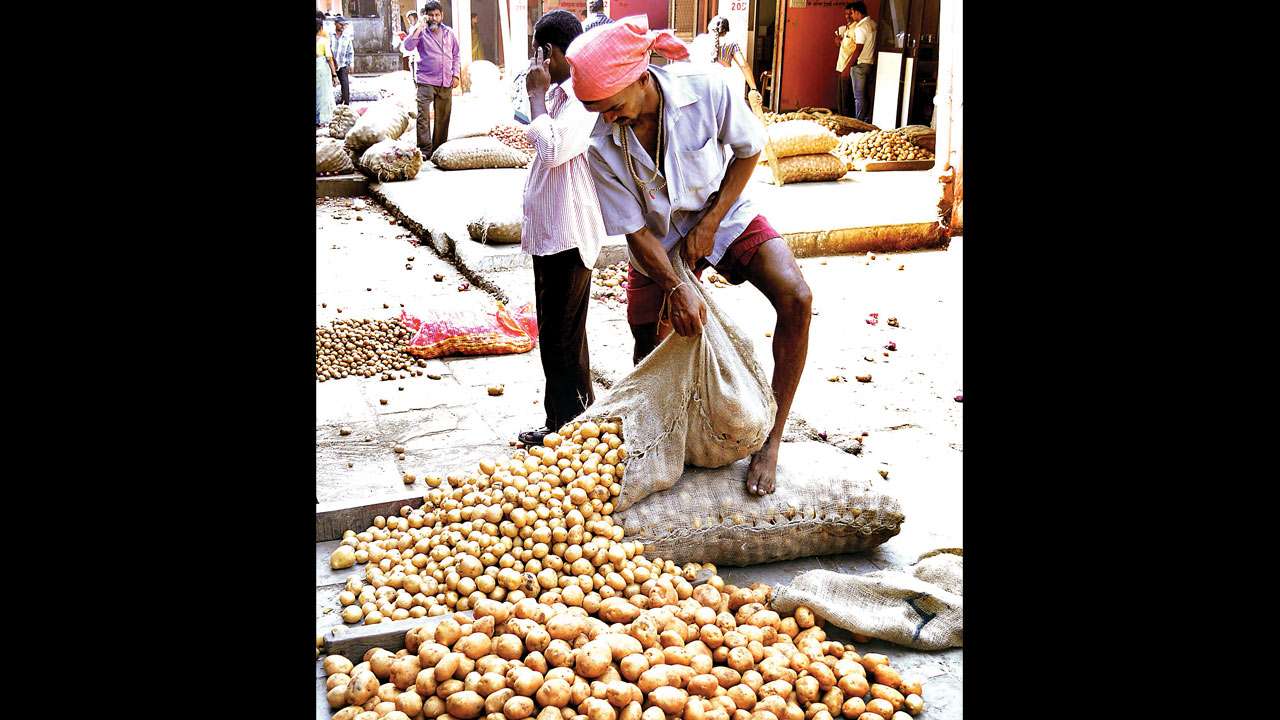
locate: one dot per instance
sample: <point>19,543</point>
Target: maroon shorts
<point>644,296</point>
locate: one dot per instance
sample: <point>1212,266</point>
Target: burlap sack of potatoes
<point>800,137</point>
<point>920,608</point>
<point>920,136</point>
<point>498,225</point>
<point>822,506</point>
<point>473,153</point>
<point>392,160</point>
<point>343,120</point>
<point>820,167</point>
<point>384,120</point>
<point>332,158</point>
<point>700,400</point>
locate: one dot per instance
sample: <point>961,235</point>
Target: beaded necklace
<point>643,185</point>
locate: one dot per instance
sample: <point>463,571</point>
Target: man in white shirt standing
<point>410,57</point>
<point>858,52</point>
<point>562,224</point>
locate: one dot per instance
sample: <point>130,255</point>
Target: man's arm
<point>414,39</point>
<point>688,312</point>
<point>648,255</point>
<point>557,140</point>
<point>741,62</point>
<point>740,130</point>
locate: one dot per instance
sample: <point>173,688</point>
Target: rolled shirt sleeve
<point>560,139</point>
<point>412,40</point>
<point>619,209</point>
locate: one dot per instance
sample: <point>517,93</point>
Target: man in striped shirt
<point>562,224</point>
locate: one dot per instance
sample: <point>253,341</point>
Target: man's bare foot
<point>763,469</point>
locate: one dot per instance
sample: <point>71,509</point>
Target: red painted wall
<point>655,9</point>
<point>809,53</point>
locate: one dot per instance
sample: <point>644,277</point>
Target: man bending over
<point>684,115</point>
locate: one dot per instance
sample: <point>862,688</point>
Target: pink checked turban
<point>608,58</point>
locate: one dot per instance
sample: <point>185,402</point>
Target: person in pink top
<point>439,67</point>
<point>562,224</point>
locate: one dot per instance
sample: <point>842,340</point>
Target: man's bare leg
<point>774,272</point>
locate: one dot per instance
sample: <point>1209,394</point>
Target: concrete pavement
<point>445,424</point>
<point>907,409</point>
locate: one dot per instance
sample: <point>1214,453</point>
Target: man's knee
<point>796,302</point>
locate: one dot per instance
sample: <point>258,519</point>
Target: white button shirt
<point>702,118</point>
<point>865,35</point>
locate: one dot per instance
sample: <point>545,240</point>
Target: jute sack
<point>920,136</point>
<point>498,226</point>
<point>332,158</point>
<point>822,167</point>
<point>921,608</point>
<point>384,120</point>
<point>800,137</point>
<point>822,506</point>
<point>392,160</point>
<point>343,119</point>
<point>703,400</point>
<point>473,153</point>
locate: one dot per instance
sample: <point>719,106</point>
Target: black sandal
<point>533,437</point>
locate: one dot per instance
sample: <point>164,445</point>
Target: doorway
<point>766,14</point>
<point>907,80</point>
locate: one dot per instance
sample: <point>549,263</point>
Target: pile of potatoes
<point>536,526</point>
<point>365,348</point>
<point>610,279</point>
<point>881,145</point>
<point>716,653</point>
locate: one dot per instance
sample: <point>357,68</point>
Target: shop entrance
<point>807,73</point>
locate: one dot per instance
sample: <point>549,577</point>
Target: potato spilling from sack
<point>537,525</point>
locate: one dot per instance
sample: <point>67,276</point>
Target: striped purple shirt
<point>561,211</point>
<point>439,61</point>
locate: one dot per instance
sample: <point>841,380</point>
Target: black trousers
<point>562,287</point>
<point>346,84</point>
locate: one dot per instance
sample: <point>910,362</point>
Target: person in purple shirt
<point>439,66</point>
